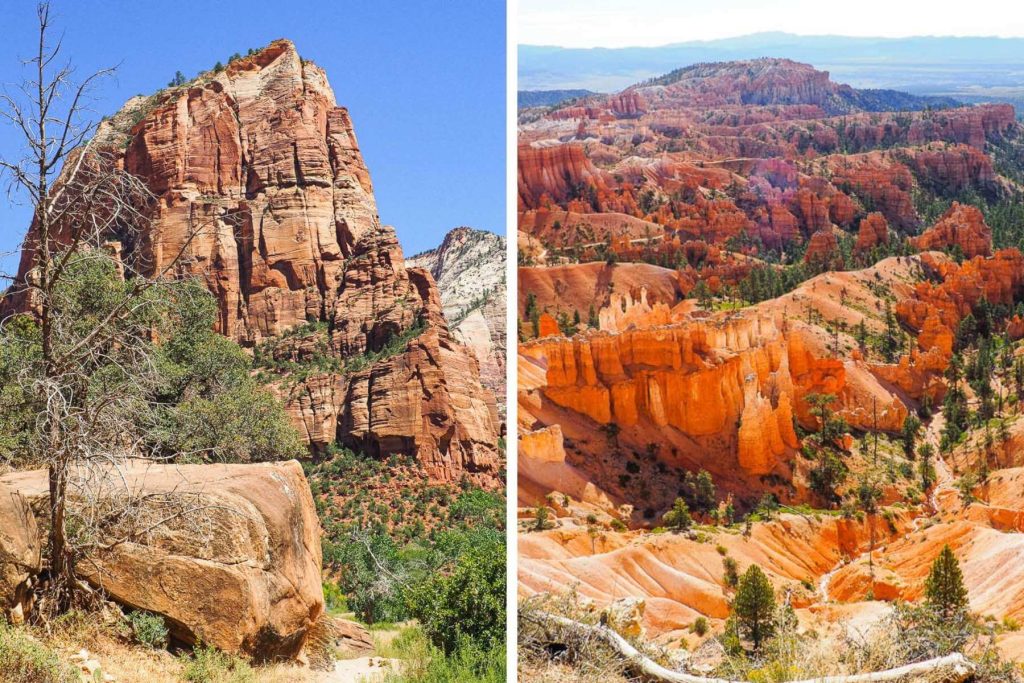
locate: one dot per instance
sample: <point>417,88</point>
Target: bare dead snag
<point>954,668</point>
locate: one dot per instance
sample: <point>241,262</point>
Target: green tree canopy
<point>754,606</point>
<point>944,588</point>
<point>465,603</point>
<point>195,400</point>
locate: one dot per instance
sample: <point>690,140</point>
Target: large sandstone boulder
<point>19,551</point>
<point>229,554</point>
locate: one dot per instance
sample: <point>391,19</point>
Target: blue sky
<point>424,82</point>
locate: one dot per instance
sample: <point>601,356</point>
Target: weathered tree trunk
<point>954,668</point>
<point>62,576</point>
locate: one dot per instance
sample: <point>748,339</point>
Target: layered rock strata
<point>261,189</point>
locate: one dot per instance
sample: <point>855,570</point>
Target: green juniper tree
<point>678,518</point>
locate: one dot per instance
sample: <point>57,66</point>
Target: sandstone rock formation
<point>469,268</point>
<point>260,183</point>
<point>823,251</point>
<point>554,172</point>
<point>547,326</point>
<point>873,231</point>
<point>234,562</point>
<point>19,553</point>
<point>740,373</point>
<point>962,226</point>
<point>543,470</point>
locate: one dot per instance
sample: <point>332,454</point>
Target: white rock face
<point>469,268</point>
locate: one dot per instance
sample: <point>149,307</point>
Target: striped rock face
<point>262,193</point>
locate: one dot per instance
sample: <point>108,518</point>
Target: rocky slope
<point>719,267</point>
<point>469,268</point>
<point>260,184</point>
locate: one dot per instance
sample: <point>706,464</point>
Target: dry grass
<point>550,672</point>
<point>106,637</point>
<point>549,653</point>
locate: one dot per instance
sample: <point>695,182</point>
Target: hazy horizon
<point>656,23</point>
<point>741,36</point>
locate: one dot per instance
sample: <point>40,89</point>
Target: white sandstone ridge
<point>469,268</point>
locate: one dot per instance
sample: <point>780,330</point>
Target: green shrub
<point>731,574</point>
<point>334,598</point>
<point>467,603</point>
<point>425,663</point>
<point>700,626</point>
<point>209,665</point>
<point>25,660</point>
<point>149,629</point>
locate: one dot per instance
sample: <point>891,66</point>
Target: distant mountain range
<point>966,69</point>
<point>544,98</point>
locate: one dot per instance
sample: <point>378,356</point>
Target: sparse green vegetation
<point>23,659</point>
<point>209,665</point>
<point>149,629</point>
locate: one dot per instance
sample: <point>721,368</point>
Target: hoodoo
<point>768,322</point>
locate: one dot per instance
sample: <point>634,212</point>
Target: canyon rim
<point>768,352</point>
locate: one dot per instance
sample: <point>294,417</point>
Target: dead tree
<point>93,371</point>
<point>954,668</point>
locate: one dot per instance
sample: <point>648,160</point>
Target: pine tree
<point>944,588</point>
<point>911,425</point>
<point>862,335</point>
<point>702,293</point>
<point>678,517</point>
<point>540,520</point>
<point>754,606</point>
<point>730,573</point>
<point>925,452</point>
<point>703,492</point>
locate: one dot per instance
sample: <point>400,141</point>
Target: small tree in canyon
<point>678,518</point>
<point>754,606</point>
<point>944,588</point>
<point>868,493</point>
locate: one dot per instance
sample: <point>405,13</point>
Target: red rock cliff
<point>261,165</point>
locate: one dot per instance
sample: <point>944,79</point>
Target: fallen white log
<point>954,668</point>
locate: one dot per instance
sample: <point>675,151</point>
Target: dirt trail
<point>361,670</point>
<point>943,477</point>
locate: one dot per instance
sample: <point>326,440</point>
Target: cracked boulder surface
<point>19,551</point>
<point>228,554</point>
